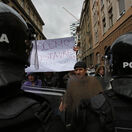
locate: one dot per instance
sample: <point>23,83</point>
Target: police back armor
<point>25,113</point>
<point>111,113</point>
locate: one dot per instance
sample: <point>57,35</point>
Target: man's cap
<point>80,64</point>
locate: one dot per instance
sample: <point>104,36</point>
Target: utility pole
<point>70,13</point>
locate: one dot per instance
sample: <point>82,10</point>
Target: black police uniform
<point>111,110</point>
<point>19,111</point>
<point>25,112</point>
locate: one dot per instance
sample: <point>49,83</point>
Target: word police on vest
<point>127,64</point>
<point>4,38</point>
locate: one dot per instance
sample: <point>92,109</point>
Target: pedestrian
<point>50,80</point>
<point>100,71</point>
<point>111,110</point>
<point>32,80</point>
<point>80,86</point>
<point>99,74</point>
<point>20,111</point>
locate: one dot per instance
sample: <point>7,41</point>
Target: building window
<point>28,9</point>
<point>90,41</point>
<point>93,2</point>
<point>121,7</point>
<point>102,3</point>
<point>33,17</point>
<point>103,14</point>
<point>109,2</point>
<point>110,17</point>
<point>96,36</point>
<point>91,59</point>
<point>105,48</point>
<point>104,24</point>
<point>98,58</point>
<point>22,3</point>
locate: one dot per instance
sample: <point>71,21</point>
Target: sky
<point>57,20</point>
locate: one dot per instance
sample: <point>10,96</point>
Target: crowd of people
<point>88,103</point>
<point>60,79</point>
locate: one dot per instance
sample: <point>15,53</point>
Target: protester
<point>32,80</point>
<point>100,71</point>
<point>99,74</point>
<point>20,111</point>
<point>80,69</point>
<point>110,111</point>
<point>81,86</point>
<point>50,80</point>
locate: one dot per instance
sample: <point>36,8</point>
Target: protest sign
<point>54,55</point>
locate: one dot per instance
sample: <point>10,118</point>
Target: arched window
<point>98,57</point>
<point>23,3</point>
<point>105,48</point>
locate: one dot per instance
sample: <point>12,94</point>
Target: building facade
<point>109,19</point>
<point>86,38</point>
<point>29,13</point>
<point>115,19</point>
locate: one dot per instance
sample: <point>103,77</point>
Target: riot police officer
<point>19,111</point>
<point>111,110</point>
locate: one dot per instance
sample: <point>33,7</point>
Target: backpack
<point>113,111</point>
<point>116,112</point>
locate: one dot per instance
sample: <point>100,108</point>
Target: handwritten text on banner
<point>54,55</point>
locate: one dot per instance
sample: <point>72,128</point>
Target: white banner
<point>54,55</point>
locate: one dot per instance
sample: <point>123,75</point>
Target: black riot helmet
<point>119,56</point>
<point>15,45</point>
